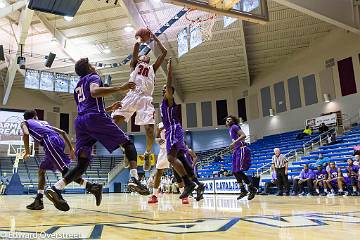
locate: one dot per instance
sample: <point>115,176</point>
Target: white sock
<point>317,190</point>
<point>332,191</point>
<point>84,183</point>
<point>181,190</point>
<point>340,190</point>
<point>41,192</point>
<point>60,185</point>
<point>133,173</point>
<point>354,189</point>
<point>155,191</point>
<point>326,190</point>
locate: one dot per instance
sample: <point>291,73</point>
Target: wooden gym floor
<point>125,216</point>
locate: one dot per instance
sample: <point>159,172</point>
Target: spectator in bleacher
<point>331,139</point>
<point>3,183</point>
<point>279,164</point>
<point>307,132</point>
<point>273,182</point>
<point>357,160</point>
<point>223,172</point>
<point>357,150</point>
<point>320,178</point>
<point>353,175</point>
<point>306,177</point>
<point>323,128</point>
<point>335,179</point>
<point>323,161</point>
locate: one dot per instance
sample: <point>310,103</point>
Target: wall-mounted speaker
<point>50,59</point>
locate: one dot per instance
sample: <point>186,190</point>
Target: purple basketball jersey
<point>320,175</point>
<point>39,129</point>
<point>233,130</point>
<point>352,170</point>
<point>172,125</point>
<point>84,101</point>
<point>333,173</point>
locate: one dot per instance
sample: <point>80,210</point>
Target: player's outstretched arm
<point>113,107</point>
<point>97,91</point>
<point>169,94</point>
<point>135,56</point>
<point>26,134</point>
<point>163,50</point>
<point>67,140</point>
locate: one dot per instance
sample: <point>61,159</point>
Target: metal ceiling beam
<point>21,35</point>
<point>243,51</point>
<point>11,8</point>
<point>343,14</point>
<point>66,45</point>
<point>138,21</point>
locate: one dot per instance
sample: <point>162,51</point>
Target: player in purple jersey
<point>91,125</point>
<point>175,145</point>
<point>55,159</point>
<point>335,178</point>
<point>353,175</point>
<point>241,157</point>
<point>320,180</point>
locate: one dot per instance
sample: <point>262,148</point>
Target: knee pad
<point>130,151</point>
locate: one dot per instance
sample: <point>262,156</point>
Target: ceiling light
<point>157,1</point>
<point>67,18</point>
<point>2,4</point>
<point>129,28</point>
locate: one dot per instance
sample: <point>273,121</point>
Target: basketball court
<point>217,217</point>
<point>275,64</point>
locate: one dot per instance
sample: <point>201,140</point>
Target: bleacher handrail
<point>313,140</point>
<point>115,171</point>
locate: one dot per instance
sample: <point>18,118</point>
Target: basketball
<point>144,34</point>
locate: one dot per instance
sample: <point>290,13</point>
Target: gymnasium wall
<point>24,99</point>
<point>314,80</point>
<point>294,89</point>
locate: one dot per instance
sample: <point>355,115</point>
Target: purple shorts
<point>334,182</point>
<point>241,159</point>
<point>55,157</point>
<point>175,139</point>
<point>93,127</point>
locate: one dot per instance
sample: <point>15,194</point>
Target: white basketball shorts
<point>162,161</point>
<point>142,105</point>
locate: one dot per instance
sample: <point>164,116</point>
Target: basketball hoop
<point>204,21</point>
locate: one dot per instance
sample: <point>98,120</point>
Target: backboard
<point>255,11</point>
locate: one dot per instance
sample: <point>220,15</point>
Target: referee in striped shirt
<point>280,165</point>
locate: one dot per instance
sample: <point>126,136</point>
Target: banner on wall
<point>140,160</point>
<point>10,129</point>
<point>329,120</point>
<point>220,186</point>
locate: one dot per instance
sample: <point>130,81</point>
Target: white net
<point>202,21</point>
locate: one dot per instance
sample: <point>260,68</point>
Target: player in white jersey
<point>162,162</point>
<point>140,99</point>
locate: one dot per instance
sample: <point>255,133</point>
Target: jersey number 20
<point>143,71</point>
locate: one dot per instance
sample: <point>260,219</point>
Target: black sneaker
<point>243,194</point>
<point>200,192</point>
<point>96,190</point>
<point>252,193</point>
<point>287,193</point>
<point>55,197</point>
<point>147,163</point>
<point>187,190</point>
<point>135,185</point>
<point>38,204</point>
<point>279,194</point>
